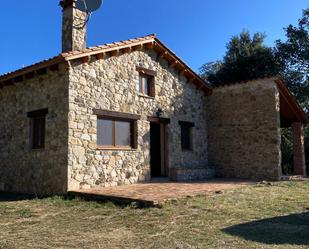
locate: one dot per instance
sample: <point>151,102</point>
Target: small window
<point>146,85</point>
<point>146,81</point>
<point>37,128</point>
<point>186,135</point>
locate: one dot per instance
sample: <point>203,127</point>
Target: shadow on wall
<point>291,229</point>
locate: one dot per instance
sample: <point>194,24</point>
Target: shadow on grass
<point>291,229</point>
<point>6,197</point>
<point>117,201</point>
<point>121,203</point>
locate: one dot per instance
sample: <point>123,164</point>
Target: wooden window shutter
<point>134,134</point>
<point>152,88</point>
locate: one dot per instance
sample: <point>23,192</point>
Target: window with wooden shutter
<point>116,130</point>
<point>146,82</point>
<point>186,135</point>
<point>37,128</point>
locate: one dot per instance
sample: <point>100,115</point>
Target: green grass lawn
<point>260,216</point>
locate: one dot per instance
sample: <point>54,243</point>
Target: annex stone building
<point>130,111</point>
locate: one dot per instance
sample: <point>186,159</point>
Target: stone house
<point>130,111</point>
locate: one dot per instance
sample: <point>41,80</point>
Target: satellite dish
<point>88,6</point>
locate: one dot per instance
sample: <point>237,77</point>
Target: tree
<point>246,58</point>
<point>293,56</point>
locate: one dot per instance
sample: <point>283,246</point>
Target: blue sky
<point>196,30</point>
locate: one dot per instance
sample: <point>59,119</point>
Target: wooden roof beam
<point>191,79</point>
<point>41,71</point>
<point>183,71</point>
<point>174,63</point>
<point>54,67</point>
<point>291,101</point>
<point>162,55</point>
<point>86,59</point>
<point>18,79</point>
<point>30,75</point>
<point>100,56</point>
<point>115,52</point>
<point>137,47</point>
<point>149,45</point>
<point>127,50</point>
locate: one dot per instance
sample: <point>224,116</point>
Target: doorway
<point>158,150</point>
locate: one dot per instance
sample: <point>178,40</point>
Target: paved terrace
<point>156,193</point>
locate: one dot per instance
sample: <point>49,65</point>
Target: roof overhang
<point>113,49</point>
<point>290,110</point>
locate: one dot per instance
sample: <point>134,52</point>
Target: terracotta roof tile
<point>72,55</point>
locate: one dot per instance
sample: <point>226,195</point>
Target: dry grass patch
<point>261,216</point>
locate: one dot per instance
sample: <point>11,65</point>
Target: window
<point>116,130</point>
<point>37,128</point>
<point>186,135</point>
<point>146,82</point>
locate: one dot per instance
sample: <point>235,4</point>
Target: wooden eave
<point>30,71</point>
<point>114,49</point>
<point>290,110</point>
<point>182,67</point>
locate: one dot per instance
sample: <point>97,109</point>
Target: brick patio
<point>156,193</point>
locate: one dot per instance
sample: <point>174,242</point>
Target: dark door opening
<point>157,150</point>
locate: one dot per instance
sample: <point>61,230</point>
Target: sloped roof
<point>290,110</point>
<point>150,41</point>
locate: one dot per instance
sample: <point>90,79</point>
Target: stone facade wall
<point>243,131</point>
<point>112,84</point>
<point>22,169</point>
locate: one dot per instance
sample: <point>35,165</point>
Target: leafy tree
<point>293,55</point>
<point>246,58</point>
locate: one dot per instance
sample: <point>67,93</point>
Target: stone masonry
<point>42,171</point>
<point>243,130</point>
<point>111,84</point>
<point>73,27</point>
<point>235,132</point>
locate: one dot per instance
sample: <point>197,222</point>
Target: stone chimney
<point>73,27</point>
